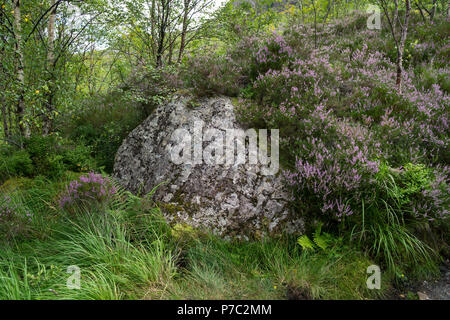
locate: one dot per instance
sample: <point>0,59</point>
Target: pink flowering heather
<point>88,189</point>
<point>272,55</point>
<point>14,219</point>
<point>343,121</point>
<point>335,165</point>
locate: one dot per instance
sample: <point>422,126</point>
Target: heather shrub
<point>345,185</point>
<point>359,154</point>
<point>234,72</point>
<point>426,77</point>
<point>212,74</point>
<point>14,219</point>
<point>415,120</point>
<point>274,54</point>
<point>227,73</point>
<point>304,82</point>
<point>88,191</point>
<point>335,163</point>
<point>428,43</point>
<point>350,24</point>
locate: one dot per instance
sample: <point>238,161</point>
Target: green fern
<point>322,240</point>
<point>306,243</point>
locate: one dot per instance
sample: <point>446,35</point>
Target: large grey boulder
<point>235,200</point>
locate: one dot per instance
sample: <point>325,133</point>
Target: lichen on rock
<point>236,200</point>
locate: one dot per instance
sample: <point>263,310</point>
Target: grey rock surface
<point>234,200</point>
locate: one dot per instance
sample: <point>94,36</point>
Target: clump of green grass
<point>126,250</point>
<point>387,225</point>
<point>271,269</point>
<point>112,265</point>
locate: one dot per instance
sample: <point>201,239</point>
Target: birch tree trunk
<point>2,99</point>
<point>184,30</point>
<point>433,10</point>
<point>20,111</point>
<point>401,48</point>
<point>395,18</point>
<point>48,118</point>
<point>153,27</point>
<point>165,11</point>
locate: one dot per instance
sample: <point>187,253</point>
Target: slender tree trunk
<point>184,29</point>
<point>315,23</point>
<point>48,117</point>
<point>395,19</point>
<point>160,50</point>
<point>20,111</point>
<point>153,26</point>
<point>171,45</point>
<point>165,14</point>
<point>2,99</point>
<point>401,48</point>
<point>433,10</point>
<point>421,12</point>
<point>162,35</point>
<point>330,4</point>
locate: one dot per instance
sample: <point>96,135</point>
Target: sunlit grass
<point>127,251</point>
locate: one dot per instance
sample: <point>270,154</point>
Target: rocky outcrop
<point>228,198</point>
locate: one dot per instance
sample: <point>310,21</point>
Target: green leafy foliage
<point>46,156</point>
<point>321,240</point>
<point>14,162</point>
<point>305,243</point>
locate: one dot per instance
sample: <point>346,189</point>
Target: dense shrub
<point>104,141</point>
<point>213,72</point>
<point>52,156</point>
<point>49,156</point>
<point>14,162</point>
<point>105,121</point>
<point>273,55</point>
<point>348,25</point>
<point>302,83</point>
<point>88,191</point>
<point>43,151</point>
<point>14,220</point>
<point>213,75</point>
<point>362,156</point>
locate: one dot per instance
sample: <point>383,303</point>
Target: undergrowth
<point>125,250</point>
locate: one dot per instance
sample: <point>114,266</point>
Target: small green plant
<point>180,231</point>
<point>321,240</point>
<point>14,163</point>
<point>306,243</point>
<point>386,226</point>
<point>49,156</point>
<point>14,218</point>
